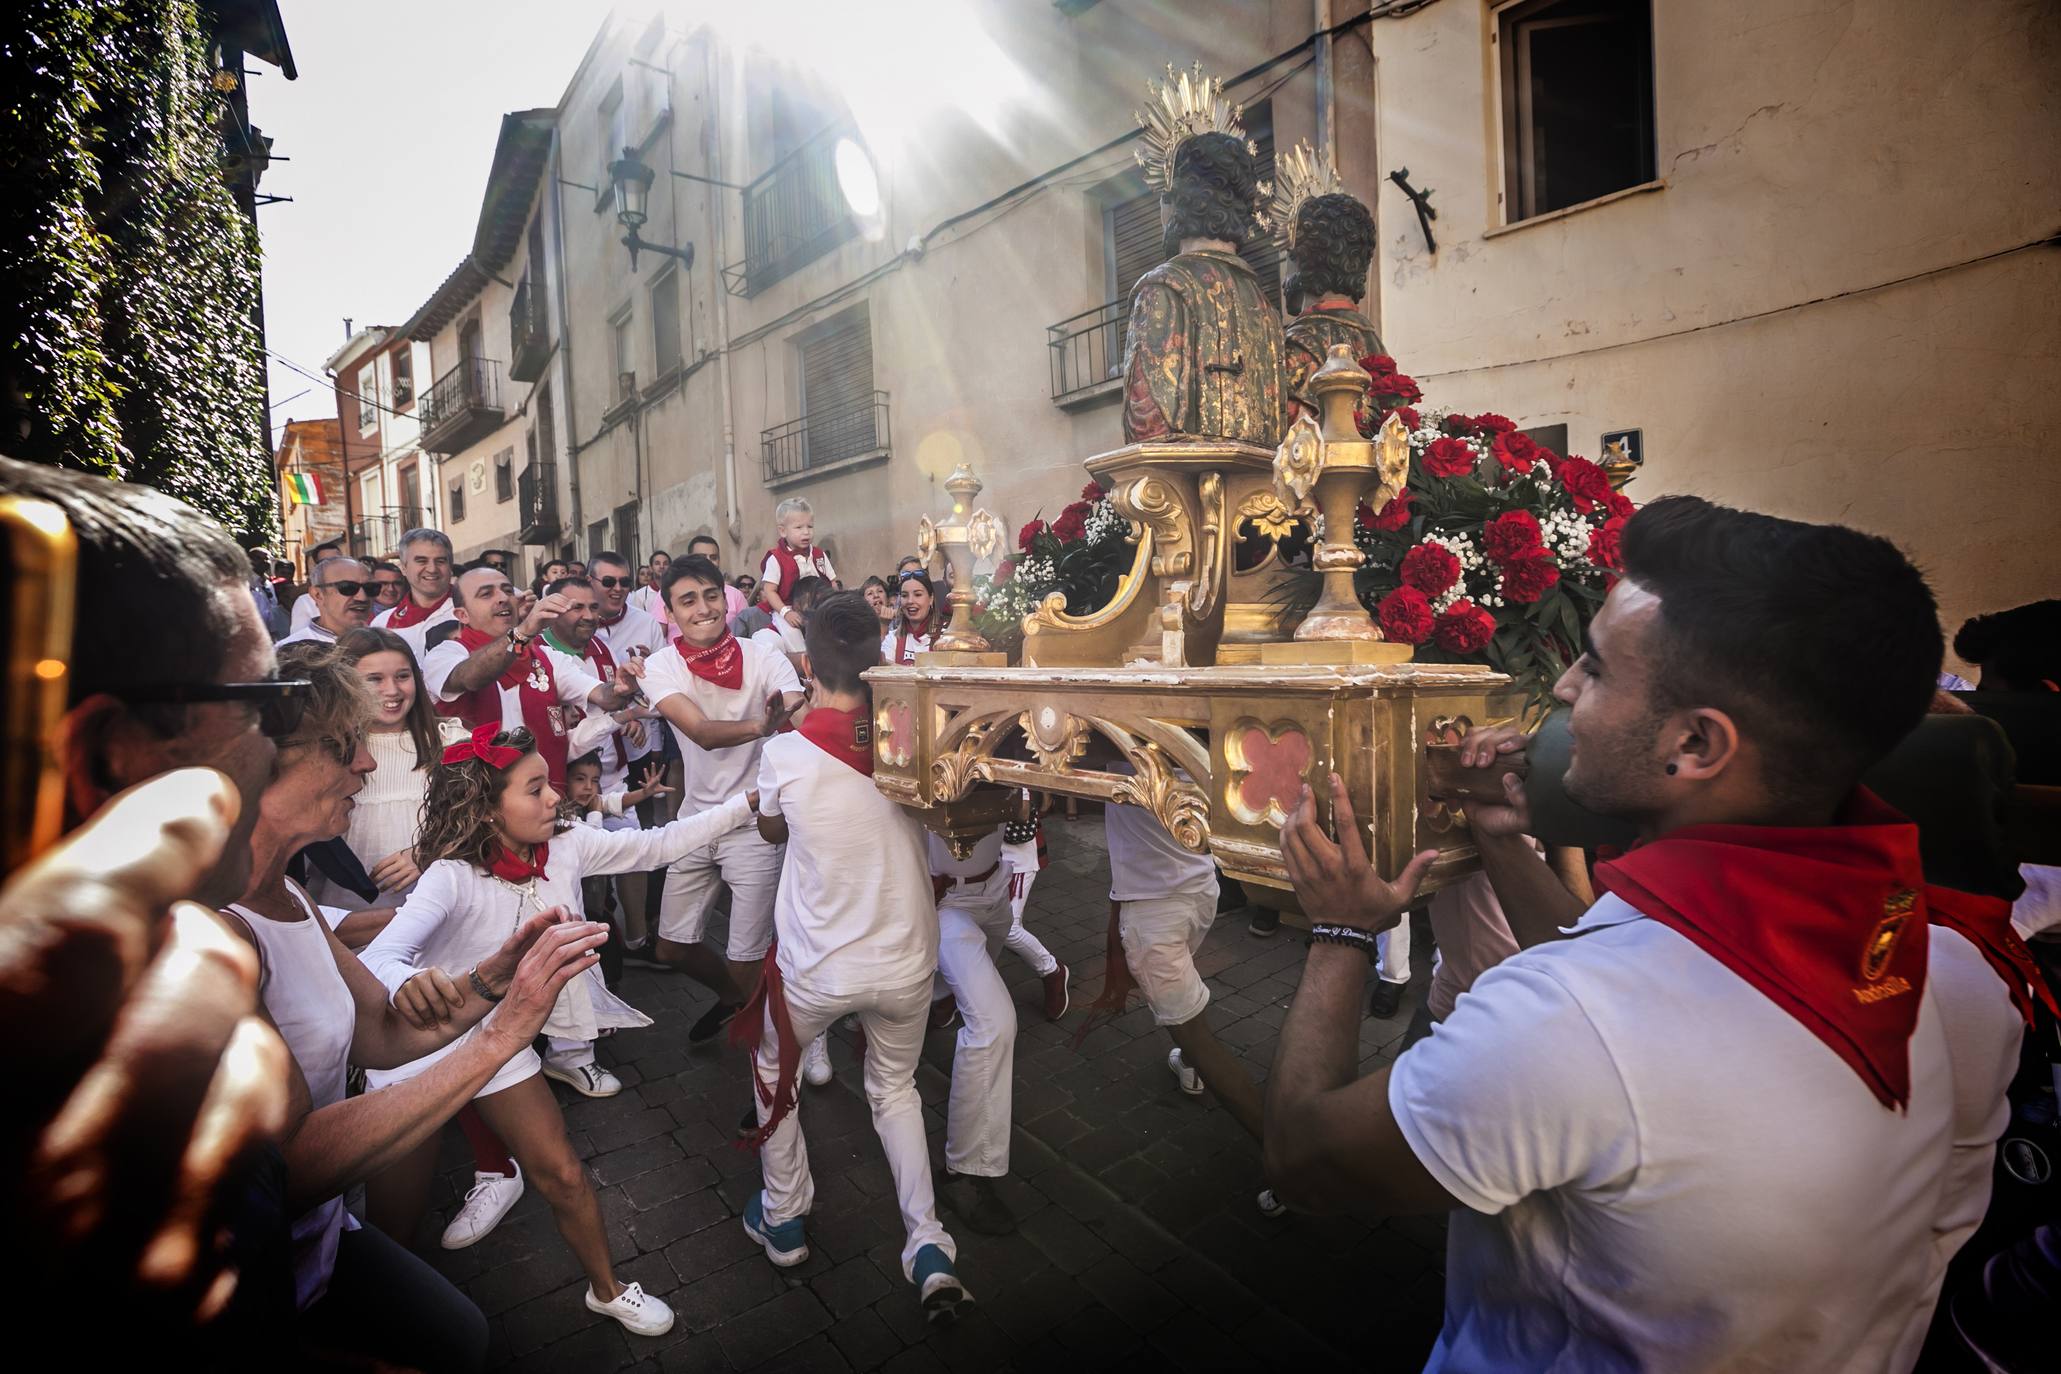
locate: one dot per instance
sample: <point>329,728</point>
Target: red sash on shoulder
<point>846,736</point>
<point>528,675</point>
<point>1829,923</point>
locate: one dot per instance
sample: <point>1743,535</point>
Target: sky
<point>390,130</point>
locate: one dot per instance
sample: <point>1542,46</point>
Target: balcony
<point>538,490</point>
<point>1088,355</point>
<point>792,215</point>
<point>376,536</point>
<point>463,408</point>
<point>529,334</point>
<point>841,437</point>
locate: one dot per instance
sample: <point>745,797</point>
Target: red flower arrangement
<point>1464,628</point>
<point>1405,615</point>
<point>1430,568</point>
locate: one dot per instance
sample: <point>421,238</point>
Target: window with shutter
<point>837,390</point>
<point>626,532</point>
<point>1262,252</point>
<point>1134,242</point>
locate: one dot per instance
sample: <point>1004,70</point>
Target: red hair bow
<point>482,746</point>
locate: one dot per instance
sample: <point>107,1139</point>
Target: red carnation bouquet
<point>1499,551</point>
<point>1082,553</point>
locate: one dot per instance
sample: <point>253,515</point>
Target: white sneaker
<point>639,1312</point>
<point>588,1079</point>
<point>816,1062</point>
<point>486,1203</point>
<point>1191,1081</point>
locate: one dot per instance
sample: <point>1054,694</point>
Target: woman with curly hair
<point>492,852</point>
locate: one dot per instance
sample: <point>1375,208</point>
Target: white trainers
<point>816,1062</point>
<point>1191,1081</point>
<point>588,1079</point>
<point>639,1312</point>
<point>486,1203</point>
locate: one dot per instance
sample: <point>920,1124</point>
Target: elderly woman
<point>356,1290</point>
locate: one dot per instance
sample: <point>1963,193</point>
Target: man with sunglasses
<point>304,607</point>
<point>342,589</point>
<point>627,631</point>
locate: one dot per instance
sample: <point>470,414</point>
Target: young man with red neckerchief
<point>722,697</point>
<point>493,670</point>
<point>1741,1112</point>
<point>858,936</point>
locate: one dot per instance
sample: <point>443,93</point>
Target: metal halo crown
<point>1298,176</point>
<point>1176,110</point>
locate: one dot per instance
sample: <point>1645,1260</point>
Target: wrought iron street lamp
<point>632,178</point>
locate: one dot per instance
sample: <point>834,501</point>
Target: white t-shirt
<point>310,633</point>
<point>912,645</point>
<point>305,610</point>
<point>986,858</point>
<point>1659,1168</point>
<point>809,562</point>
<point>854,911</point>
<point>636,630</point>
<point>781,637</point>
<point>417,634</point>
<point>711,775</point>
<point>2038,908</point>
<point>575,684</point>
<point>1146,862</point>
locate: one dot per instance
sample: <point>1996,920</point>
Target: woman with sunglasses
<point>917,622</point>
<point>355,1289</point>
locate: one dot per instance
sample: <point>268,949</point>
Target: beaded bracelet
<point>479,985</point>
<point>1344,935</point>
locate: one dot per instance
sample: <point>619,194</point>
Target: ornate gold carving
<point>1155,503</point>
<point>894,733</point>
<point>1298,463</point>
<point>1186,104</point>
<point>984,534</point>
<point>1391,461</point>
<point>1264,770</point>
<point>1056,736</point>
<point>1268,515</point>
<point>1209,575</point>
<point>1180,806</point>
<point>926,540</point>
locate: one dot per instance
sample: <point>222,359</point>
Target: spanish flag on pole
<point>304,487</point>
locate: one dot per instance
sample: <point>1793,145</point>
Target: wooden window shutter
<point>837,389</point>
<point>1135,242</point>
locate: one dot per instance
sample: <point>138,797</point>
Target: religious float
<point>1270,488</point>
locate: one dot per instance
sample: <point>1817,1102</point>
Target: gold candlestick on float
<point>965,535</point>
<point>1326,458</point>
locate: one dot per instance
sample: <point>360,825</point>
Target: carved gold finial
<point>1184,105</point>
<point>1303,173</point>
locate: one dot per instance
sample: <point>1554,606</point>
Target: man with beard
<point>425,560</point>
<point>1741,1112</point>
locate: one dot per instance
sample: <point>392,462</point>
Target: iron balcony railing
<point>538,488</point>
<point>376,536</point>
<point>824,437</point>
<point>464,405</point>
<point>793,215</point>
<point>529,342</point>
<point>1087,350</point>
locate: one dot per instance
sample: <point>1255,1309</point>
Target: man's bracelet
<point>479,985</point>
<point>1344,935</point>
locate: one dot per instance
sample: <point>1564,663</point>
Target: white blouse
<point>384,819</point>
<point>459,914</point>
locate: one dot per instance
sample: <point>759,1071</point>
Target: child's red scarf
<point>1829,923</point>
<point>529,676</point>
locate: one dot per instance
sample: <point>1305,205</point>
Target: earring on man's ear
<point>1672,770</point>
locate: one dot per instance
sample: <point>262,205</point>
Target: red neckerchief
<point>721,662</point>
<point>510,869</point>
<point>529,676</point>
<point>610,622</point>
<point>1829,923</point>
<point>408,613</point>
<point>903,654</point>
<point>846,736</point>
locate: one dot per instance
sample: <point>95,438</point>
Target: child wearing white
<point>1023,856</point>
<point>857,935</point>
<point>973,917</point>
<point>794,555</point>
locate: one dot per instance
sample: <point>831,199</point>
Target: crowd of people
<point>1738,1110</point>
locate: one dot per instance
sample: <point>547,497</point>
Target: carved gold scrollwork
<point>926,539</point>
<point>1299,461</point>
<point>1155,503</point>
<point>953,773</point>
<point>1391,462</point>
<point>1057,737</point>
<point>1180,806</point>
<point>984,534</point>
<point>1209,576</point>
<point>1267,515</point>
<point>1051,612</point>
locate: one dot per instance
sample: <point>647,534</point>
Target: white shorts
<point>750,867</point>
<point>1161,935</point>
<point>522,1066</point>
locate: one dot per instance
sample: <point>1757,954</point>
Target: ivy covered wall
<point>128,275</point>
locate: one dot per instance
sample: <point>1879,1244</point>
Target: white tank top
<point>304,993</point>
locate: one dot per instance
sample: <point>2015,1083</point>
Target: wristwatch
<point>517,642</point>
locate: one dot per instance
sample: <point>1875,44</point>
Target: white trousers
<point>1395,952</point>
<point>894,1022</point>
<point>1021,942</point>
<point>984,1060</point>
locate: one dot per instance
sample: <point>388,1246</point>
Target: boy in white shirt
<point>783,635</point>
<point>857,936</point>
<point>722,697</point>
<point>794,555</point>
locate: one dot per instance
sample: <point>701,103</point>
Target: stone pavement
<point>1140,1245</point>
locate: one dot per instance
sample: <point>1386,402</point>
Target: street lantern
<point>632,178</point>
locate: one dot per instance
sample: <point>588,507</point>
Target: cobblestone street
<point>1140,1243</point>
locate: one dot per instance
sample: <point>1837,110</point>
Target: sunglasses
<point>912,576</point>
<point>611,583</point>
<point>280,704</point>
<point>349,590</point>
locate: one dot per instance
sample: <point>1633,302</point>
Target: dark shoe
<point>644,956</point>
<point>1387,999</point>
<point>1057,998</point>
<point>749,1122</point>
<point>1265,921</point>
<point>712,1022</point>
<point>944,1012</point>
<point>973,1200</point>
